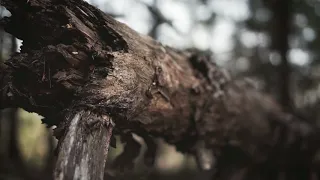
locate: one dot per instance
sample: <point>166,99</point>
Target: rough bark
<point>78,64</point>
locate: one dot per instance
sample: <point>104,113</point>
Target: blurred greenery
<point>33,138</point>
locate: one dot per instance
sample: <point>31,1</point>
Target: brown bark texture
<point>84,71</point>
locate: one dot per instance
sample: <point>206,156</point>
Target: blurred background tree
<point>273,42</point>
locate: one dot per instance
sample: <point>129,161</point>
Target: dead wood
<point>78,64</point>
<point>84,149</point>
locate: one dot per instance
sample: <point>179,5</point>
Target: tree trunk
<point>79,68</point>
<point>280,26</point>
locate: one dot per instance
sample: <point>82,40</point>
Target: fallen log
<point>85,72</point>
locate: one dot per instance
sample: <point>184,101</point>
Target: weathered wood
<point>83,150</point>
<point>77,60</point>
